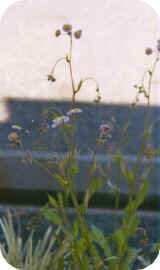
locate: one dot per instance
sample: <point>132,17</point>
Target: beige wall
<point>115,34</point>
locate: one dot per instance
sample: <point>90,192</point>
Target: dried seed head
<point>67,27</point>
<point>51,78</point>
<point>148,51</point>
<point>58,33</point>
<point>78,34</point>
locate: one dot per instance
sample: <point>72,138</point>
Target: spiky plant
<point>26,255</point>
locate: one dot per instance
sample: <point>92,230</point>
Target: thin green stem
<point>146,124</point>
<point>71,71</point>
<point>55,65</point>
<point>91,79</point>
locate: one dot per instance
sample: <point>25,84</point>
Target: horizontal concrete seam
<point>33,209</point>
<point>81,157</point>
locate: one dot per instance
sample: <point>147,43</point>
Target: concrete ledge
<point>16,175</point>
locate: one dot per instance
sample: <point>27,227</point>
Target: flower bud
<point>67,27</point>
<point>58,33</point>
<point>148,51</point>
<point>78,34</point>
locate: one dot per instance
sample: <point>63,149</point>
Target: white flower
<point>17,127</point>
<point>13,137</point>
<point>59,121</point>
<point>74,111</point>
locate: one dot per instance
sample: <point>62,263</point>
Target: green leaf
<point>74,169</point>
<point>143,190</point>
<point>60,180</point>
<point>130,177</point>
<point>52,200</point>
<point>91,190</point>
<point>98,235</point>
<point>50,215</point>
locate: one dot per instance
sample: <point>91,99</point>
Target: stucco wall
<point>115,35</point>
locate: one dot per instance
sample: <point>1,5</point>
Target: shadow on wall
<point>17,178</point>
<point>29,115</point>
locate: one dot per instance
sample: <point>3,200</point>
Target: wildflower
<point>27,131</point>
<point>74,111</point>
<point>51,78</point>
<point>59,121</point>
<point>105,128</point>
<point>13,137</point>
<point>78,34</point>
<point>17,127</point>
<point>58,33</point>
<point>105,132</point>
<point>67,27</point>
<point>148,51</point>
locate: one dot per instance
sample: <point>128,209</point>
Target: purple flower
<point>105,128</point>
<point>58,121</point>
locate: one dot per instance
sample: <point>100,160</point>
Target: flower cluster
<point>67,29</point>
<point>14,136</point>
<point>60,120</point>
